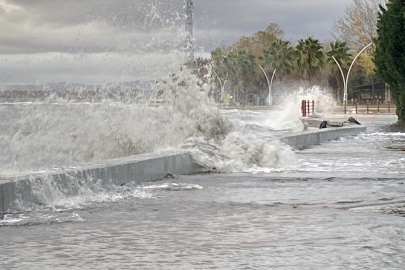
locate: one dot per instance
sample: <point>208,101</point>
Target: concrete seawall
<point>317,136</point>
<point>33,189</point>
<point>37,189</point>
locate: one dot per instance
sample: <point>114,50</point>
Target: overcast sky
<point>98,41</point>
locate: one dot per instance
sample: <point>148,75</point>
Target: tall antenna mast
<point>189,11</point>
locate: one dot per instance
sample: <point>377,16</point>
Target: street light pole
<point>343,77</point>
<point>346,80</point>
<point>220,83</point>
<point>269,83</point>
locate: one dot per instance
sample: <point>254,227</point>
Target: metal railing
<point>378,109</point>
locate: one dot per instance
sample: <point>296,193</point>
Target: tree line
<point>245,65</point>
<point>307,62</point>
<point>380,22</point>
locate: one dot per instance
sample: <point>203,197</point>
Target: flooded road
<point>233,222</point>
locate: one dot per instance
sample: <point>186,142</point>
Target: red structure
<point>307,107</point>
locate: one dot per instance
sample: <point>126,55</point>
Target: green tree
<point>264,38</point>
<point>312,57</point>
<point>259,40</point>
<point>241,66</point>
<point>389,56</point>
<point>282,56</point>
<point>340,51</point>
<point>218,66</point>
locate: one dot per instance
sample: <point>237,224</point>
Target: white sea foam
<point>64,133</point>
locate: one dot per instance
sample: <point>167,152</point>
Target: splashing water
<point>59,132</point>
<point>40,135</point>
<point>252,145</point>
<point>289,114</point>
<point>325,103</point>
<point>63,133</point>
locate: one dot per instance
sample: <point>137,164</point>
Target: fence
<point>307,107</point>
<point>378,109</point>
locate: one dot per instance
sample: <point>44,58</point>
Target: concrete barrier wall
<point>38,189</point>
<point>318,136</point>
<point>16,193</point>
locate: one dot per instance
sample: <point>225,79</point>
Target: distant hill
<point>116,91</point>
<point>67,86</point>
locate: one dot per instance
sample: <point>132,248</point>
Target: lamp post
<point>346,80</point>
<point>269,83</point>
<point>220,83</point>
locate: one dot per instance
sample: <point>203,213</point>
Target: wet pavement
<point>234,222</point>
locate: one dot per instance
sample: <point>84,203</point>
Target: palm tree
<point>240,66</point>
<point>312,57</point>
<point>340,51</point>
<point>246,72</point>
<point>280,55</point>
<point>218,66</point>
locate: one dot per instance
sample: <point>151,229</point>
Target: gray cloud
<point>94,68</point>
<point>145,27</point>
<point>299,19</point>
<point>109,25</point>
<point>88,25</point>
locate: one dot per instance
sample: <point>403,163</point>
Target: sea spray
<point>71,191</point>
<point>325,103</point>
<point>63,132</point>
<point>288,116</point>
<point>239,153</point>
<point>254,144</point>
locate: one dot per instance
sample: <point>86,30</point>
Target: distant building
<point>365,92</point>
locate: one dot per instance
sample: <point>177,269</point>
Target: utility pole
<point>188,7</point>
